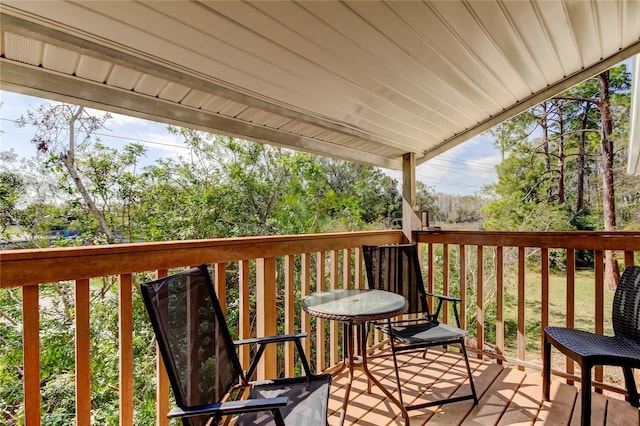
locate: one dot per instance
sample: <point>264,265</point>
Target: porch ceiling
<point>364,81</point>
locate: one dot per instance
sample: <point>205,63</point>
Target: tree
<point>60,130</point>
<point>576,127</point>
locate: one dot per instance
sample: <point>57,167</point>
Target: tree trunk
<point>561,156</point>
<point>544,124</point>
<point>73,172</point>
<point>581,158</point>
<point>612,273</point>
<point>68,159</point>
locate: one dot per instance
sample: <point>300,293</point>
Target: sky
<point>463,170</point>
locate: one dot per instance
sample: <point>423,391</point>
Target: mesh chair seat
<point>306,401</point>
<point>432,332</point>
<point>616,349</point>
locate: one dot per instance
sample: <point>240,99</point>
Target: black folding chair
<point>395,268</point>
<point>589,349</point>
<point>203,366</point>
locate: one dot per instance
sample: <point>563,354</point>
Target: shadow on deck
<point>507,396</point>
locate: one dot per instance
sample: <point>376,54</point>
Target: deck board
<point>507,396</point>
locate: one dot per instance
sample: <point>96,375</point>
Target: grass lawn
<point>584,312</point>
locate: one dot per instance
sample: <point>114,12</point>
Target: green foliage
<point>547,148</point>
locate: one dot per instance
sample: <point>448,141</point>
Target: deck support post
<point>410,217</point>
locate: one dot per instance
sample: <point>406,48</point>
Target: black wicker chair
<point>395,268</point>
<point>203,367</point>
<point>589,349</point>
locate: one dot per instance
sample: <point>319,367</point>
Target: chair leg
<point>585,419</point>
<point>395,360</point>
<point>631,386</point>
<point>466,361</point>
<point>395,367</point>
<point>546,369</point>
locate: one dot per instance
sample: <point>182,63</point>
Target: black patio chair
<point>203,367</point>
<point>395,268</point>
<point>590,349</point>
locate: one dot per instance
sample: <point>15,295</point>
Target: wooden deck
<point>507,396</point>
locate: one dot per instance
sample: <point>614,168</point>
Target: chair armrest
<point>270,339</point>
<point>443,297</point>
<point>231,407</point>
<point>262,342</point>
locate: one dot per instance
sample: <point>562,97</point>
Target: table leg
<point>349,361</point>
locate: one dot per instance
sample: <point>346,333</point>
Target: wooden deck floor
<point>507,396</point>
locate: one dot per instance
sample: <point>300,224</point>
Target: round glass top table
<point>354,308</point>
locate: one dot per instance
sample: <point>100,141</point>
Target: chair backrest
<point>626,304</point>
<point>395,268</point>
<point>193,338</point>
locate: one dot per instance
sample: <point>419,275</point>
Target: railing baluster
<point>480,300</point>
<point>126,350</point>
<point>82,355</point>
<point>500,301</point>
<point>544,297</point>
<point>162,388</point>
<point>333,325</point>
<point>599,307</point>
<point>220,284</point>
<point>358,274</point>
<point>463,286</point>
<point>571,294</point>
<point>445,282</point>
<point>628,258</point>
<point>521,305</point>
<point>346,269</point>
<point>305,290</point>
<point>430,273</point>
<point>31,354</point>
<point>320,334</point>
<point>267,314</point>
<point>244,320</point>
<point>289,313</point>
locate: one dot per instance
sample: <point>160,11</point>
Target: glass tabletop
<point>354,305</point>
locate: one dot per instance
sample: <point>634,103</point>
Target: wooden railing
<point>305,262</point>
<point>484,254</point>
<point>483,268</point>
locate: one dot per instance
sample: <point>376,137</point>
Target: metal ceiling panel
<point>366,81</point>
